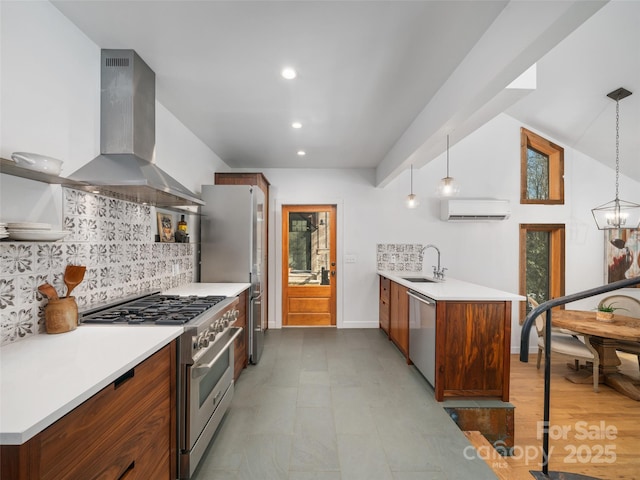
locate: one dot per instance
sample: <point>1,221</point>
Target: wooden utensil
<point>73,275</point>
<point>48,291</point>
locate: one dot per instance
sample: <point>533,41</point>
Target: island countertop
<point>449,289</point>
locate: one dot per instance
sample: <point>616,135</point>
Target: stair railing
<point>524,349</point>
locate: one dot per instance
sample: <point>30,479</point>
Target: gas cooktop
<point>156,309</point>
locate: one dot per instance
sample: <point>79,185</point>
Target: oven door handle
<point>199,370</point>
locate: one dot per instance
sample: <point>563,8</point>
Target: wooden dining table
<point>604,337</point>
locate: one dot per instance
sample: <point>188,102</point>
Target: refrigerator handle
<point>257,302</point>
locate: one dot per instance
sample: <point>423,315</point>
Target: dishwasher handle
<point>421,298</point>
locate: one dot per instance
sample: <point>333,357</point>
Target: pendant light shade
<point>448,187</point>
<point>617,213</point>
<point>412,200</point>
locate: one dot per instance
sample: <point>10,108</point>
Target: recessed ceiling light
<point>289,73</point>
<point>301,153</point>
<point>296,125</point>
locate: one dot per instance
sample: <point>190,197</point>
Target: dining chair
<point>631,308</point>
<point>566,342</point>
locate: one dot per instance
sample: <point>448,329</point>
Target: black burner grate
<point>156,309</point>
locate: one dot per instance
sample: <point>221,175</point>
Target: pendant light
<point>617,213</point>
<point>448,187</point>
<point>412,200</point>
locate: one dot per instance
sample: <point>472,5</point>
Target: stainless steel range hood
<point>124,169</point>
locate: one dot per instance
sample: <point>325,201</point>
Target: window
<point>541,170</point>
<point>541,263</point>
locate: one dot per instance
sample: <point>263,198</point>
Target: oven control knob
<point>203,340</point>
<point>220,325</point>
<point>212,335</point>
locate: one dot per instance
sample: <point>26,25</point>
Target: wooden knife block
<point>61,315</point>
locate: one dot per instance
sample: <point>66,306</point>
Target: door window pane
<point>309,248</point>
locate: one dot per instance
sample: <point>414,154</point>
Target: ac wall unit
<point>474,209</point>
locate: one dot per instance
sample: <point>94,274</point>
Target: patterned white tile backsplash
<point>113,238</point>
<point>399,257</point>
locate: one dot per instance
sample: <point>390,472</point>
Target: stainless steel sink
<point>419,279</point>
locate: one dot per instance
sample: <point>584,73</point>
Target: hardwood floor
<point>595,434</point>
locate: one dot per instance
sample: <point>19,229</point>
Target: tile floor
<point>327,404</point>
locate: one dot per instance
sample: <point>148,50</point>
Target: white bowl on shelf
<point>39,163</point>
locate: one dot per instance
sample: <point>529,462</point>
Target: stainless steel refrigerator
<point>233,248</point>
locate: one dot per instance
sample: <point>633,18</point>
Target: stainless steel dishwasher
<point>422,334</point>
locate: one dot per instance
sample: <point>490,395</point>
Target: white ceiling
<point>380,83</point>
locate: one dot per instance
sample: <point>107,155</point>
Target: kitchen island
<point>470,354</point>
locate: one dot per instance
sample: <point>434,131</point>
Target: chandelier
<point>617,213</point>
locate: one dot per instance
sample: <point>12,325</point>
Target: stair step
<point>490,455</point>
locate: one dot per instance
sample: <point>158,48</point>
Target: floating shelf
<point>10,168</point>
<point>169,202</point>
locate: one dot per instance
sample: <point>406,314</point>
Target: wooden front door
<point>308,265</point>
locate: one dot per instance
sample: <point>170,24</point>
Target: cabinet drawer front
<point>240,345</point>
<point>383,308</point>
<point>242,304</point>
<point>101,437</point>
<point>385,287</point>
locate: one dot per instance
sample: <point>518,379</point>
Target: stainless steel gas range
<point>205,360</point>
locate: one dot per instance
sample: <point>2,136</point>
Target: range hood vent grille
<point>116,62</point>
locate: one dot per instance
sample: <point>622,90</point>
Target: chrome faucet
<point>438,272</point>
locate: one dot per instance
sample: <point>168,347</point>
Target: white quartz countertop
<point>44,377</point>
<point>450,288</point>
<point>225,289</point>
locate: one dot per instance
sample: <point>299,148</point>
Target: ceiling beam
<point>477,90</point>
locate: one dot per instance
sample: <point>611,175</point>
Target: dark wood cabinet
<point>259,180</point>
<point>473,343</point>
<point>393,314</point>
<point>399,318</point>
<point>127,430</point>
<point>384,304</point>
<point>240,345</point>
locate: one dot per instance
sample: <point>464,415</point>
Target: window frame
<point>528,139</point>
<point>557,253</point>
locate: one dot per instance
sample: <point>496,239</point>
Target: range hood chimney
<point>125,168</point>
